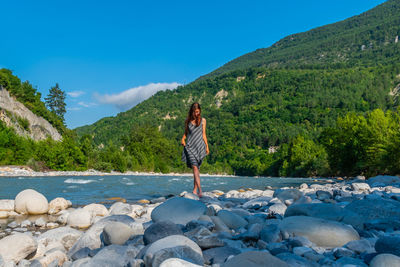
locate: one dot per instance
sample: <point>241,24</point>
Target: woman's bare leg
<point>194,180</point>
<point>196,174</point>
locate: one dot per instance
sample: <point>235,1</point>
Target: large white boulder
<point>30,201</point>
<point>17,247</point>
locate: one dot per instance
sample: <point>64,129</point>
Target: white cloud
<point>86,105</point>
<point>75,93</point>
<point>131,97</point>
<point>74,109</point>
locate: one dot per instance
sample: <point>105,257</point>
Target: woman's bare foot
<point>200,194</point>
<point>195,192</point>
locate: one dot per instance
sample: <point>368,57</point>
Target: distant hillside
<point>368,39</point>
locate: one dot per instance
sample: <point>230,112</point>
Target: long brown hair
<point>192,117</point>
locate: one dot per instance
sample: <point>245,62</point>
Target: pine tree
<point>55,101</point>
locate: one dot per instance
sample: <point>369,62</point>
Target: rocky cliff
<point>15,115</point>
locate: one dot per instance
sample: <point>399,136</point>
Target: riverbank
<point>332,224</point>
<point>15,171</point>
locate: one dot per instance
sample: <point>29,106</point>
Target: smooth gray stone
<point>385,260</point>
<point>361,246</point>
<point>178,210</point>
<point>284,194</point>
<point>91,238</point>
<point>296,261</point>
<point>385,225</point>
<point>371,209</point>
<point>384,179</point>
<point>231,219</point>
<point>343,252</point>
<point>81,262</point>
<point>319,210</point>
<point>219,255</point>
<point>204,238</point>
<point>196,223</point>
<point>160,230</point>
<point>322,195</point>
<point>36,263</point>
<point>321,232</point>
<point>300,241</point>
<point>116,233</point>
<point>80,254</point>
<point>346,261</point>
<point>113,255</point>
<point>271,234</point>
<point>388,244</point>
<point>254,259</point>
<point>277,208</point>
<point>119,208</point>
<point>174,246</point>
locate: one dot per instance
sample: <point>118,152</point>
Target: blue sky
<point>110,55</point>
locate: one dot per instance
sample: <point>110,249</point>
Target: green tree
<point>55,101</point>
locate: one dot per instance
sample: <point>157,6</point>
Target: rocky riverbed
<point>343,223</point>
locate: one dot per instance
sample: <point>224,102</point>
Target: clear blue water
<point>90,189</point>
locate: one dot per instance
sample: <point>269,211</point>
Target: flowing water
<point>83,190</point>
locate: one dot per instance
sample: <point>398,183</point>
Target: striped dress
<point>195,149</point>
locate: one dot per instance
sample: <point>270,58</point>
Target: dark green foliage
<point>364,144</point>
<point>55,101</point>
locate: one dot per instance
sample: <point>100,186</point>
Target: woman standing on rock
<point>196,147</point>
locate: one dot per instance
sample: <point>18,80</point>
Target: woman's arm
<point>183,140</point>
<point>205,136</point>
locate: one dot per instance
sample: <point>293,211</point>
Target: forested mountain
<point>368,39</point>
<point>297,87</point>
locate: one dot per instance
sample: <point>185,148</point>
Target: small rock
<point>364,187</point>
<point>174,246</point>
<point>231,219</point>
<point>58,204</point>
<point>160,230</point>
<point>119,208</point>
<point>254,259</point>
<point>26,223</point>
<point>277,208</point>
<point>388,245</point>
<point>80,218</point>
<point>40,222</point>
<point>219,255</point>
<point>97,209</point>
<point>175,262</point>
<point>116,233</point>
<point>6,205</point>
<point>385,260</point>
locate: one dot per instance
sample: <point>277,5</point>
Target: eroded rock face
<point>178,210</point>
<point>17,247</point>
<point>32,202</point>
<point>321,232</point>
<point>40,128</point>
<point>231,219</point>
